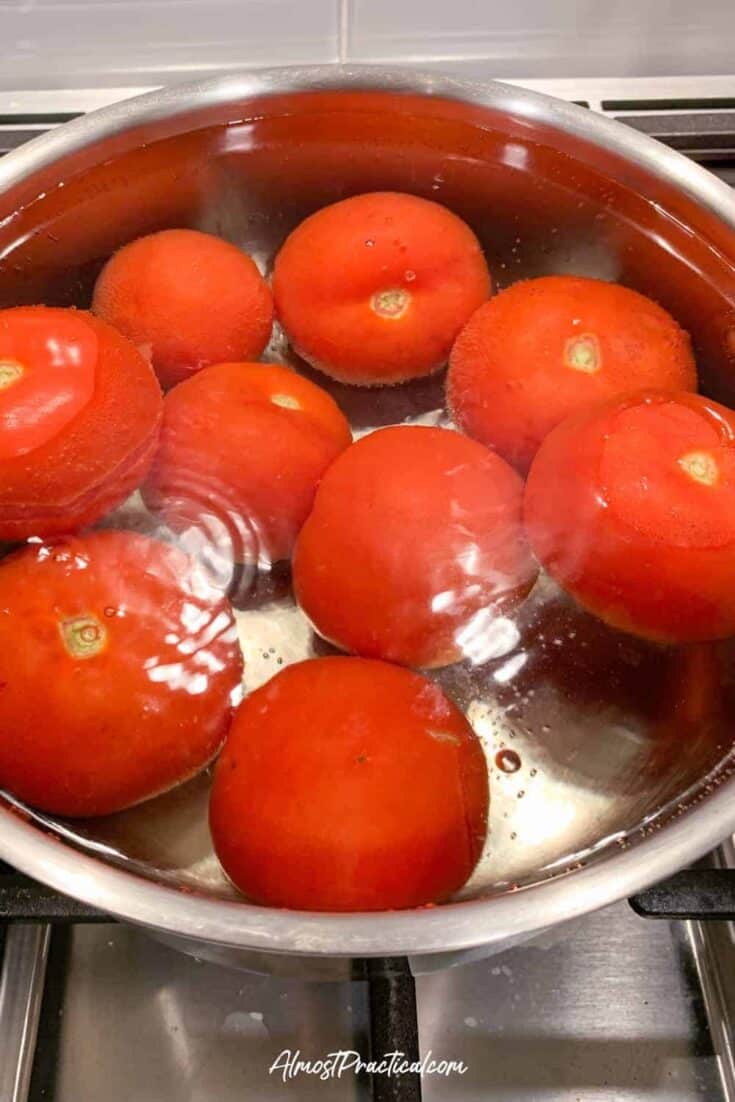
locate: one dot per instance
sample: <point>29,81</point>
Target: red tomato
<point>374,289</point>
<point>187,298</point>
<point>80,411</point>
<point>545,348</point>
<point>414,548</point>
<point>243,447</point>
<point>349,785</point>
<point>47,369</point>
<point>118,661</point>
<point>631,507</point>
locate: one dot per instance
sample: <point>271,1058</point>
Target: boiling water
<point>592,737</point>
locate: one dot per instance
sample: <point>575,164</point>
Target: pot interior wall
<point>614,735</point>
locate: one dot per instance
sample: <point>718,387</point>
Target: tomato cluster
<point>353,782</point>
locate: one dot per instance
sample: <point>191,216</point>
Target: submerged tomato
<point>631,507</point>
<point>242,449</point>
<point>47,371</point>
<point>349,785</point>
<point>79,417</point>
<point>375,288</point>
<point>414,548</point>
<point>545,348</point>
<point>118,661</point>
<point>187,298</point>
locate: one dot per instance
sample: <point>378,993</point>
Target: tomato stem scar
<point>83,636</point>
<point>10,372</point>
<point>286,401</point>
<point>701,467</point>
<point>390,304</point>
<point>582,353</point>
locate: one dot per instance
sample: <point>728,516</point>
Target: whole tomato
<point>349,785</point>
<point>546,348</point>
<point>242,449</point>
<point>375,288</point>
<point>414,549</point>
<point>188,299</point>
<point>118,663</point>
<point>630,506</point>
<point>80,411</point>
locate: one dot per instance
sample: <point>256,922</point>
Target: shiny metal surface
<point>714,971</point>
<point>142,1022</point>
<point>625,747</point>
<point>606,1009</point>
<point>713,951</point>
<point>21,990</point>
<point>595,90</point>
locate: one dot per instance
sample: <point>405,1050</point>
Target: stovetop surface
<point>607,1008</point>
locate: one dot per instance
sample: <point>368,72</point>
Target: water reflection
<point>606,727</point>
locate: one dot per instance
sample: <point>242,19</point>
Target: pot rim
<point>453,926</point>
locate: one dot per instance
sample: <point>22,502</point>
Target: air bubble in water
<point>508,761</point>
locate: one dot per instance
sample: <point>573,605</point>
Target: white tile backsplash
<point>547,38</point>
<point>47,43</point>
<point>77,43</point>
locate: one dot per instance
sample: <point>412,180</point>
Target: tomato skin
<point>190,298</point>
<point>617,521</point>
<point>47,375</point>
<point>413,547</point>
<point>91,728</point>
<point>349,785</point>
<point>510,378</point>
<point>332,265</point>
<point>281,387</point>
<point>100,456</point>
<point>233,454</point>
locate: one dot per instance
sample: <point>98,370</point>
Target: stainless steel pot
<point>615,791</point>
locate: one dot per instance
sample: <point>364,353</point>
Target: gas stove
<point>608,1007</point>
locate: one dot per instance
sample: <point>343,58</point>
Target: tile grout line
<point>343,34</point>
